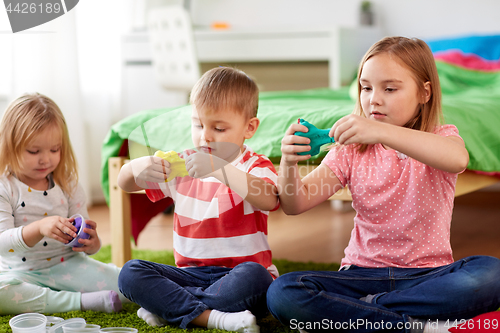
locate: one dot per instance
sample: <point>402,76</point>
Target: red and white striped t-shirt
<point>214,226</point>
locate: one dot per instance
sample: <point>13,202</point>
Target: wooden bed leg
<point>119,214</point>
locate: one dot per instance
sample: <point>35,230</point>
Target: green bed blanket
<point>471,101</point>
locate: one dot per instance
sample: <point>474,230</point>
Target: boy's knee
<point>255,276</point>
<point>127,273</point>
<point>253,271</point>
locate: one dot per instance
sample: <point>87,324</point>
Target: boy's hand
<point>289,149</point>
<point>150,169</point>
<point>92,244</point>
<point>202,165</point>
<point>356,129</point>
<point>58,228</point>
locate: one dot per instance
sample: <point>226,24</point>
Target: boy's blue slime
<point>317,136</point>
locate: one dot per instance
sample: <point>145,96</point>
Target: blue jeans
<point>394,299</point>
<point>179,295</point>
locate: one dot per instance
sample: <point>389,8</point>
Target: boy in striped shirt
<point>221,251</point>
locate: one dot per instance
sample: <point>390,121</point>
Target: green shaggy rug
<point>128,317</point>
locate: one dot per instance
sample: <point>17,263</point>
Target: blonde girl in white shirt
<point>39,192</point>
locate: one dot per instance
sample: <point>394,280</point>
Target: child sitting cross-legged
<point>221,251</point>
<point>401,165</point>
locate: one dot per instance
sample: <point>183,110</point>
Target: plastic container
<point>28,323</point>
<point>58,327</point>
<point>77,328</point>
<point>51,321</point>
<point>80,224</point>
<point>119,330</point>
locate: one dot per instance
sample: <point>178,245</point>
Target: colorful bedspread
<point>469,73</point>
<point>481,53</point>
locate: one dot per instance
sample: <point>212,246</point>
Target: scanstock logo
<point>31,13</point>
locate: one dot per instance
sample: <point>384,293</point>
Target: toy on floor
<point>79,223</point>
<point>317,136</point>
<point>177,164</point>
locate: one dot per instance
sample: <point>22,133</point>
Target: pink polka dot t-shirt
<point>403,207</point>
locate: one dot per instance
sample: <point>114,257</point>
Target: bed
<point>469,70</point>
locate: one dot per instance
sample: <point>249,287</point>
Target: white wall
<point>438,18</point>
<point>275,13</point>
<point>412,18</point>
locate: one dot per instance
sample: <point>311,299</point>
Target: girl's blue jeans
<point>179,295</point>
<point>386,299</point>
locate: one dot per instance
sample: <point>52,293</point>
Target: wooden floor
<point>321,234</point>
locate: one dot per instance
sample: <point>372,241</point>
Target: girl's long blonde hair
<point>415,55</point>
<point>26,117</point>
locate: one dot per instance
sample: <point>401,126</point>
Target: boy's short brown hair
<point>226,88</point>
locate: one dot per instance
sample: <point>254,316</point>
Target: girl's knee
<point>486,261</point>
<point>284,297</point>
<point>273,298</point>
<point>484,269</point>
<point>273,292</point>
<point>480,277</point>
<point>491,272</point>
<point>482,283</point>
<point>280,288</point>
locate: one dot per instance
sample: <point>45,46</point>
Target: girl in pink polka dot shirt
<point>401,165</point>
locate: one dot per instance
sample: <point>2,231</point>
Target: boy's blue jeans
<point>395,299</point>
<point>179,295</point>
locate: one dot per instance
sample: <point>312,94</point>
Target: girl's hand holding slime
<point>318,137</point>
<point>292,145</point>
<point>356,129</point>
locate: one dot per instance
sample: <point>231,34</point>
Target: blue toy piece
<point>318,137</point>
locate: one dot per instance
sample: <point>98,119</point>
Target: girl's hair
<point>226,88</point>
<point>415,55</point>
<point>23,120</point>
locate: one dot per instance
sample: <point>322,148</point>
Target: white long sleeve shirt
<point>21,205</point>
